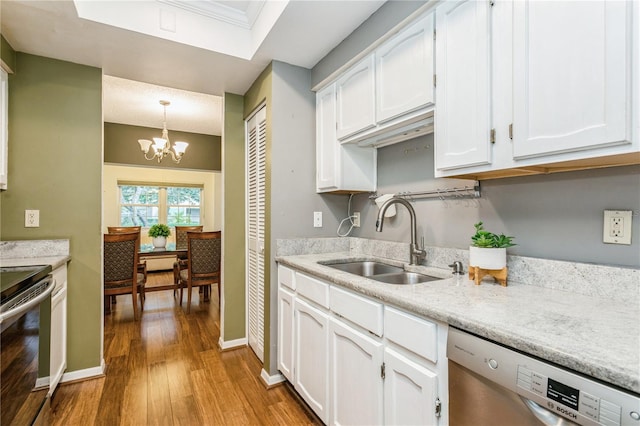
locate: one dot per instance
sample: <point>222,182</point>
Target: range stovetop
<point>16,279</point>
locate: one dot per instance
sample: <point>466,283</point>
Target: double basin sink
<point>382,272</point>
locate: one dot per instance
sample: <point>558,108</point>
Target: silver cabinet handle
<point>545,416</point>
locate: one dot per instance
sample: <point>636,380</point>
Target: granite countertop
<point>594,336</point>
<point>54,261</point>
<point>34,252</point>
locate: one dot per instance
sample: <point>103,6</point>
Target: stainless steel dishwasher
<point>490,384</point>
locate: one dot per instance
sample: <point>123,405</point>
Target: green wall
<point>121,147</point>
<point>234,223</point>
<point>55,163</point>
<point>7,54</point>
<point>261,92</point>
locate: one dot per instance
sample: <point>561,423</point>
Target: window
<point>146,205</point>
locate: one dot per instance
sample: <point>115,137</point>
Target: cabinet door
<point>356,382</point>
<point>327,145</point>
<point>410,391</point>
<point>462,117</point>
<point>58,350</point>
<point>404,71</point>
<point>285,333</point>
<point>356,99</point>
<point>312,356</point>
<point>571,75</point>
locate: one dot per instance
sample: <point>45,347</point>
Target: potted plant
<point>159,233</point>
<point>489,250</point>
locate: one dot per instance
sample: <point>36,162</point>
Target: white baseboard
<point>42,382</point>
<point>271,380</point>
<point>87,373</point>
<point>230,344</point>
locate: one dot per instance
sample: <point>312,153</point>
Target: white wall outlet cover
<point>356,219</point>
<point>32,218</point>
<point>617,227</point>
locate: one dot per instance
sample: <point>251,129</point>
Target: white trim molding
<point>271,381</point>
<point>87,373</point>
<point>231,344</point>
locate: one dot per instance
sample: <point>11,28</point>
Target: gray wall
<point>293,197</point>
<point>556,216</point>
<point>377,25</point>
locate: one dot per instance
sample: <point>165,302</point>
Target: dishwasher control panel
<point>543,386</point>
<point>568,401</point>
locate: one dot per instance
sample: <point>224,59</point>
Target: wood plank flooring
<point>166,369</point>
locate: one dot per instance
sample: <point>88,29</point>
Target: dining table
<point>149,251</point>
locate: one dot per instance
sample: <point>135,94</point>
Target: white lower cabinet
<point>410,391</point>
<point>356,379</point>
<point>58,348</point>
<point>311,343</point>
<point>285,333</point>
<point>357,361</point>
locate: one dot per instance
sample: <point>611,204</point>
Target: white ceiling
<point>192,51</point>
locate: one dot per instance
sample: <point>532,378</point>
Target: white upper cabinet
<point>462,118</point>
<point>356,99</point>
<point>528,87</point>
<point>388,96</point>
<point>571,82</point>
<point>327,145</point>
<point>339,167</point>
<point>404,71</point>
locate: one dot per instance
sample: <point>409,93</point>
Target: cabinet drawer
<point>286,277</point>
<point>357,309</point>
<point>412,333</point>
<point>312,289</point>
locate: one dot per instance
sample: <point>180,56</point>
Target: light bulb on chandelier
<point>162,146</point>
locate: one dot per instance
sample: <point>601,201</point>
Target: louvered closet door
<point>256,146</point>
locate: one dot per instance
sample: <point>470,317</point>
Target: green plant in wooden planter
<point>486,239</point>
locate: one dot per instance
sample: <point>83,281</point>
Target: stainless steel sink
<point>404,278</point>
<point>382,272</point>
<point>366,268</point>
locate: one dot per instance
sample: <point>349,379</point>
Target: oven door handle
<point>545,416</point>
<point>18,310</point>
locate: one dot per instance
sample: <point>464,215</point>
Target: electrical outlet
<point>317,219</point>
<point>31,218</point>
<point>356,219</point>
<point>617,227</point>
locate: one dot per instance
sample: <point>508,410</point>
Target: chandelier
<point>161,146</point>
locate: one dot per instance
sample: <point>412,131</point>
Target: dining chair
<point>181,244</point>
<point>142,266</point>
<point>203,263</point>
<point>121,274</point>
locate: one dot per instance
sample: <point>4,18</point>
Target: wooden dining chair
<point>120,269</point>
<point>203,263</point>
<point>181,244</point>
<point>142,266</point>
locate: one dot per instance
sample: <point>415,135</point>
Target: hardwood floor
<point>167,370</point>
